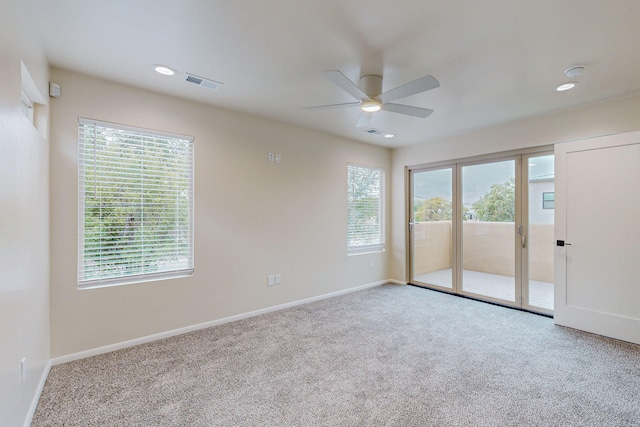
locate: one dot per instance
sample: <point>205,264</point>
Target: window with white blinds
<point>135,204</point>
<point>365,196</point>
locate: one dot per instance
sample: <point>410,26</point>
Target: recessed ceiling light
<point>371,106</point>
<point>164,70</point>
<point>389,135</point>
<point>566,86</point>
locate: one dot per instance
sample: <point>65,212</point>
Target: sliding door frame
<point>410,201</point>
<point>521,254</point>
<point>459,264</point>
<point>525,226</point>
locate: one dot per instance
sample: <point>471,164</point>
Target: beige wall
<point>24,219</point>
<point>616,116</point>
<point>541,250</point>
<point>488,247</point>
<point>252,218</point>
<point>432,250</point>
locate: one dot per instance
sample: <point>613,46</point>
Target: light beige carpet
<point>388,356</point>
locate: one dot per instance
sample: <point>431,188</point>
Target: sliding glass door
<point>539,244</point>
<point>488,225</point>
<point>431,227</point>
<point>484,228</point>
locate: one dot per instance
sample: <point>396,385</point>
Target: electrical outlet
<point>278,279</point>
<point>272,157</point>
<point>270,280</point>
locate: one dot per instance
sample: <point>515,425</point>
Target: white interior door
<point>597,209</point>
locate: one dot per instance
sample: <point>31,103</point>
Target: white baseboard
<point>36,397</point>
<point>174,332</point>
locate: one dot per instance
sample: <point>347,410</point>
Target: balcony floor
<point>493,285</point>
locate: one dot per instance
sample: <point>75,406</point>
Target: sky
<point>477,179</point>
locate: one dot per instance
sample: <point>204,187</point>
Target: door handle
<point>562,243</point>
<point>411,224</point>
<point>523,237</point>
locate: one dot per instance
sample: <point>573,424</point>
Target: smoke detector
<point>575,71</point>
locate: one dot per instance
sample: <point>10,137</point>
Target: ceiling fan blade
<point>422,84</point>
<point>327,107</point>
<point>407,110</point>
<point>341,80</point>
<point>364,119</point>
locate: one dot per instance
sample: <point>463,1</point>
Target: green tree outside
<point>364,197</point>
<point>136,203</point>
<point>433,209</point>
<point>498,204</point>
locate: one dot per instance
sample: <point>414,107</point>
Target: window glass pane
<point>365,196</point>
<point>488,229</point>
<point>540,241</point>
<point>432,236</point>
<point>136,198</point>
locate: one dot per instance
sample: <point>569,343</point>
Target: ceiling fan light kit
<point>371,106</point>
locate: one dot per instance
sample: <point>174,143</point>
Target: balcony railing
<point>488,258</point>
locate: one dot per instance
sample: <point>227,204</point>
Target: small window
<point>365,195</point>
<point>548,200</point>
<point>26,106</point>
<point>31,100</point>
<point>136,205</point>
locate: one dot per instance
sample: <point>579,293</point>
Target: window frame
<point>548,203</point>
<point>379,245</point>
<point>116,280</point>
<point>26,106</point>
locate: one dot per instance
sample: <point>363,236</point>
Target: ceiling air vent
<point>373,131</point>
<point>201,81</point>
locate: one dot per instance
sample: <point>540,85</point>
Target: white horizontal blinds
<point>136,204</point>
<point>365,226</point>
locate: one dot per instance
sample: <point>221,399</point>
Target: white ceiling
<point>496,60</point>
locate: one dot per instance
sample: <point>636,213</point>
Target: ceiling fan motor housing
<point>371,84</point>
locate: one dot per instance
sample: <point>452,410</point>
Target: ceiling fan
<point>371,99</point>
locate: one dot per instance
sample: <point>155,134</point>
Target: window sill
<point>365,252</point>
<point>107,283</point>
